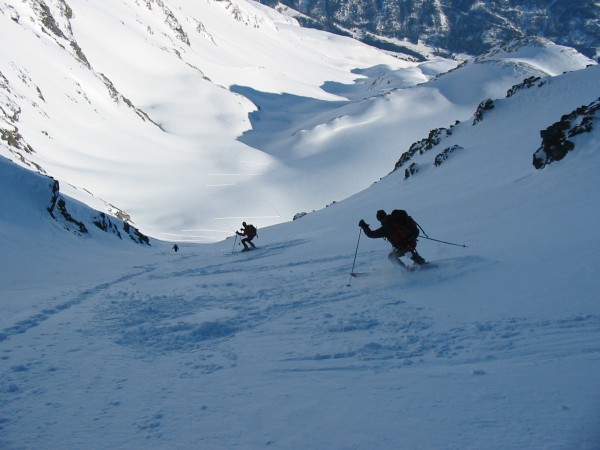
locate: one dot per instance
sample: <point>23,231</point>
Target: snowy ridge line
<point>33,321</point>
<point>438,137</point>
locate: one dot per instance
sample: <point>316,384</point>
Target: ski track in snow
<point>33,321</point>
<point>209,308</point>
<point>192,318</point>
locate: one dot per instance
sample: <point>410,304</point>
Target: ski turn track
<point>224,328</point>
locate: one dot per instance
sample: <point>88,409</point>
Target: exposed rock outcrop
<point>557,138</point>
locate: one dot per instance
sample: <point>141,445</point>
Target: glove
<point>363,224</point>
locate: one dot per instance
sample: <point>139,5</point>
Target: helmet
<point>381,214</point>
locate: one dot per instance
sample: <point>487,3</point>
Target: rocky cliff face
<point>557,139</point>
<point>460,26</point>
<point>33,197</point>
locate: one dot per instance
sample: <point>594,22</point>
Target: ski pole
<point>437,240</point>
<point>421,228</point>
<point>234,241</point>
<point>443,242</point>
<point>355,253</point>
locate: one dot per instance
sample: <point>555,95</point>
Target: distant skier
<point>249,231</point>
<point>175,248</point>
<point>401,231</point>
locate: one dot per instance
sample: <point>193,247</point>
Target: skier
<point>401,231</point>
<point>175,248</point>
<point>250,232</point>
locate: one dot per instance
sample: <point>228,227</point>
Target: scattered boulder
<point>411,170</point>
<point>556,141</point>
<point>298,215</point>
<point>440,158</point>
<point>434,138</point>
<point>526,84</point>
<point>484,106</point>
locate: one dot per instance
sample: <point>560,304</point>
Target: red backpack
<point>251,230</point>
<point>404,228</point>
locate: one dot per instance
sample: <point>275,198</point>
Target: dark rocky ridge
<point>457,26</point>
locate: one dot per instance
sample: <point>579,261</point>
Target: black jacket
<point>400,238</point>
<point>384,231</point>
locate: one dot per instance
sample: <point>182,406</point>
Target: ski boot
<point>417,259</point>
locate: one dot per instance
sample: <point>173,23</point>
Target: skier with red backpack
<point>401,231</point>
<point>249,231</point>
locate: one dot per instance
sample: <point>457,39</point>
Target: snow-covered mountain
<point>107,344</point>
<point>185,117</point>
<point>134,103</point>
<point>460,26</point>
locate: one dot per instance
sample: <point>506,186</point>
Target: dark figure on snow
<point>401,231</point>
<point>250,232</point>
<point>175,248</point>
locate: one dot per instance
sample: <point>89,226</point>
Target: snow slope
<point>122,346</point>
<point>173,62</point>
<point>191,115</point>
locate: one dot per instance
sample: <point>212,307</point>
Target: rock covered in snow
<point>557,138</point>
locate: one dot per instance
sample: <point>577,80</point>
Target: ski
<point>411,268</point>
<point>418,267</point>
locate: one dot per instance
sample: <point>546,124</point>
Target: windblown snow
<point>226,111</point>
